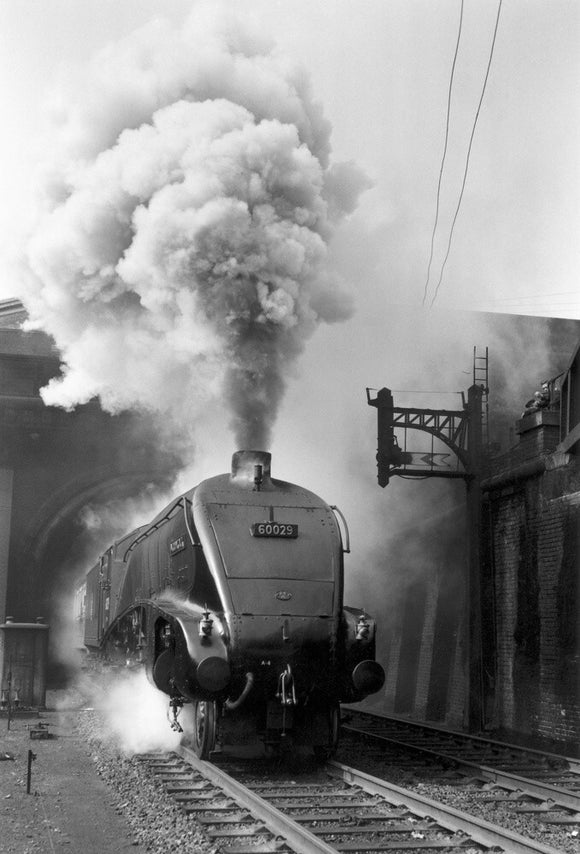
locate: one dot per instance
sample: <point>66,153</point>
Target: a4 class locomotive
<point>232,598</point>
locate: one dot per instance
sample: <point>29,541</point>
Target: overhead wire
<point>442,166</point>
<point>468,156</point>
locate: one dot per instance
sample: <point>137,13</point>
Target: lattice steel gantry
<point>459,430</point>
<point>462,432</point>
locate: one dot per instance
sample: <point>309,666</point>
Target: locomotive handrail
<point>153,527</point>
<point>181,502</point>
<point>335,509</point>
<point>187,525</point>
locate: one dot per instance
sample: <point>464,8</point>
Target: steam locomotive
<point>232,599</point>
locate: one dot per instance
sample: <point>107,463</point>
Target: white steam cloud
<point>135,713</point>
<point>181,249</point>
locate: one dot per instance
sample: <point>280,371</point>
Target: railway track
<point>247,807</point>
<point>523,785</point>
<point>555,769</point>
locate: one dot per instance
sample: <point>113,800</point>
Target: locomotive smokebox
<point>252,468</point>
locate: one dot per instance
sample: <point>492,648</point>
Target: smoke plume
<point>180,252</point>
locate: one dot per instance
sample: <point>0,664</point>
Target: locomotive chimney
<point>251,468</point>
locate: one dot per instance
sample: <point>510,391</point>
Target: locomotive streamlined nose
<point>368,677</point>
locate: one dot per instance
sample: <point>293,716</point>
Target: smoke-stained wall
<point>529,589</point>
<point>422,618</point>
<point>534,498</point>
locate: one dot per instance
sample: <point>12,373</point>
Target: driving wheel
<point>204,727</point>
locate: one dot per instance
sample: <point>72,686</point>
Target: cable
<point>469,152</point>
<point>444,153</point>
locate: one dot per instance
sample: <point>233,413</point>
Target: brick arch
<point>56,543</point>
<point>52,463</point>
<point>67,503</point>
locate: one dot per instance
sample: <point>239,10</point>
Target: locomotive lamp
<point>4,698</point>
<point>167,636</point>
<point>362,628</point>
<point>205,627</point>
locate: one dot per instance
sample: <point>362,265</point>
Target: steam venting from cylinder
<point>180,250</point>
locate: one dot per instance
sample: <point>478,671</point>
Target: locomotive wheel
<point>323,752</point>
<point>204,727</point>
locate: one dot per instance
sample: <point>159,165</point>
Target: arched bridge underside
<point>65,478</point>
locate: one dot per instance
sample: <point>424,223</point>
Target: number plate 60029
<point>286,530</point>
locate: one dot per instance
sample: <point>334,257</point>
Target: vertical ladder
<point>481,378</point>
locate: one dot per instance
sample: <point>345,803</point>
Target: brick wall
<point>425,664</point>
<point>455,714</point>
<point>531,607</point>
<point>535,537</point>
<point>559,716</point>
<point>392,663</point>
<point>506,526</point>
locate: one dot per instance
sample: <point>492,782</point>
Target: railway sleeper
<point>289,806</point>
<point>185,787</point>
<point>259,848</point>
<point>317,818</point>
<point>235,832</point>
<point>337,794</point>
<point>359,817</point>
<point>361,846</point>
<point>197,807</point>
<point>561,819</point>
<point>377,827</point>
<point>234,818</point>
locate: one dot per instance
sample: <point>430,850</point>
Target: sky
<point>381,72</point>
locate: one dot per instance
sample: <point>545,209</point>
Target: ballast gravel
<point>88,795</point>
<point>564,839</point>
<point>157,822</point>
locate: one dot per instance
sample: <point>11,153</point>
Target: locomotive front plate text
<point>285,530</point>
